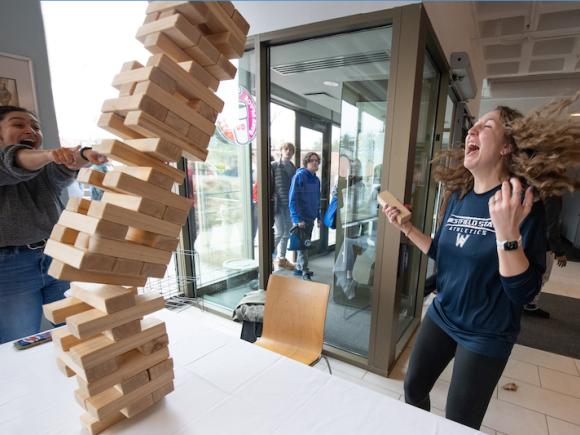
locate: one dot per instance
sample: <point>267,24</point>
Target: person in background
<point>282,171</point>
<point>553,207</point>
<point>31,181</point>
<point>305,206</point>
<point>490,251</point>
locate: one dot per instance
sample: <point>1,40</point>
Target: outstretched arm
<point>33,160</point>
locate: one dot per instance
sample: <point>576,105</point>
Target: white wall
<point>22,33</point>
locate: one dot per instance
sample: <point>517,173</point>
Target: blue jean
<point>25,287</point>
<point>302,258</point>
<point>282,225</point>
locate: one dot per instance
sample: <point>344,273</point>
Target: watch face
<point>511,245</point>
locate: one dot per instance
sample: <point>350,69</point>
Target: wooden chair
<point>294,317</point>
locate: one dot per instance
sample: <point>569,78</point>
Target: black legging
<point>472,383</point>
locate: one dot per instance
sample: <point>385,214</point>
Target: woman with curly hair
<point>490,250</point>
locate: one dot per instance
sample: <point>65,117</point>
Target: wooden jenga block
<point>129,364</point>
<point>66,370</point>
<point>153,74</point>
<point>100,349</point>
<point>203,109</point>
<point>176,27</point>
<point>187,85</point>
<point>124,266</point>
<point>63,340</point>
<point>149,175</point>
<point>177,107</point>
<point>120,332</point>
<point>138,406</point>
<point>222,69</point>
<point>150,126</point>
<point>77,258</point>
<point>90,323</point>
<point>137,101</point>
<point>130,156</point>
<point>106,298</point>
<point>127,89</point>
<point>94,178</point>
<point>92,225</point>
<point>153,270</point>
<point>77,204</point>
<point>124,182</point>
<point>241,22</point>
<point>133,382</point>
<point>68,273</point>
<point>157,148</point>
<point>160,393</point>
<point>114,213</point>
<point>204,52</point>
<point>151,239</point>
<point>193,15</point>
<point>159,43</point>
<point>81,398</point>
<point>175,215</point>
<point>160,369</point>
<point>154,345</point>
<point>58,311</point>
<point>96,426</point>
<point>115,248</point>
<point>199,72</point>
<point>386,197</point>
<point>136,203</point>
<point>178,124</point>
<point>228,45</point>
<point>228,7</point>
<point>66,235</point>
<point>115,124</point>
<point>219,21</point>
<point>112,401</point>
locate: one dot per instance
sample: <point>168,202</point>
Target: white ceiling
<point>528,38</point>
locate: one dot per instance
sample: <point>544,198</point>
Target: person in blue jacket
<point>304,205</point>
<point>490,251</point>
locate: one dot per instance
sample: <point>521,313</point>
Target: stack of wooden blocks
<point>165,110</point>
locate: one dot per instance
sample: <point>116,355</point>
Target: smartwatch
<point>82,152</point>
<point>509,245</point>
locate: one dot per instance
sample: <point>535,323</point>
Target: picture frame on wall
<point>17,86</point>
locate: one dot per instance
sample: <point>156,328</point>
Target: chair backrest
<point>295,312</point>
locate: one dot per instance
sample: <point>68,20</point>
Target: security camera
<point>461,79</point>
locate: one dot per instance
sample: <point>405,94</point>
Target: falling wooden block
<point>126,183</point>
<point>157,148</point>
<point>139,204</point>
<point>106,298</point>
<point>130,156</point>
<point>100,349</point>
<point>90,323</point>
<point>66,235</point>
<point>387,198</point>
<point>149,175</point>
<point>115,124</point>
<point>129,364</point>
<point>65,272</point>
<point>92,225</point>
<point>78,258</point>
<point>114,213</point>
<point>58,311</point>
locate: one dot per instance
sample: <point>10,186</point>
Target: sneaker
<point>307,275</point>
<point>284,263</point>
<point>297,272</point>
<point>536,312</point>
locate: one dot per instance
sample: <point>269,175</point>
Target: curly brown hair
<point>545,151</point>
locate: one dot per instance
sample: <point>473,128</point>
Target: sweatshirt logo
<point>469,225</point>
<point>461,239</point>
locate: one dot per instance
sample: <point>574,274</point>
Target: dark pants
<point>472,383</point>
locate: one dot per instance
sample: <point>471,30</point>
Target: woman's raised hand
<point>507,211</point>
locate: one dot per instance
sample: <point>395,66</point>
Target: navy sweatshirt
<point>304,197</point>
<point>477,307</point>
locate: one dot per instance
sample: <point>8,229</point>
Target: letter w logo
<point>461,239</point>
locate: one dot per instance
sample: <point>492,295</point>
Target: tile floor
<point>547,401</point>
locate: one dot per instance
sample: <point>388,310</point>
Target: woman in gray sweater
<point>31,181</point>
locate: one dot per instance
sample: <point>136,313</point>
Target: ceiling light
<point>330,83</point>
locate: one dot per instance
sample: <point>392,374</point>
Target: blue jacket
<point>475,305</point>
<point>304,197</point>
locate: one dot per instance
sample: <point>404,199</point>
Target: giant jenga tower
<point>165,110</point>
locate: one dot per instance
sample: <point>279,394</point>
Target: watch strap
<point>509,245</point>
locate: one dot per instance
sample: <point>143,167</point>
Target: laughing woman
<point>31,181</point>
<point>490,251</point>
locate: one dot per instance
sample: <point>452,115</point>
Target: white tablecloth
<point>223,385</point>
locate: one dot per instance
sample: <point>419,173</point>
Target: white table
<point>223,385</point>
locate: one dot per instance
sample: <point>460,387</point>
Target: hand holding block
<point>386,197</point>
